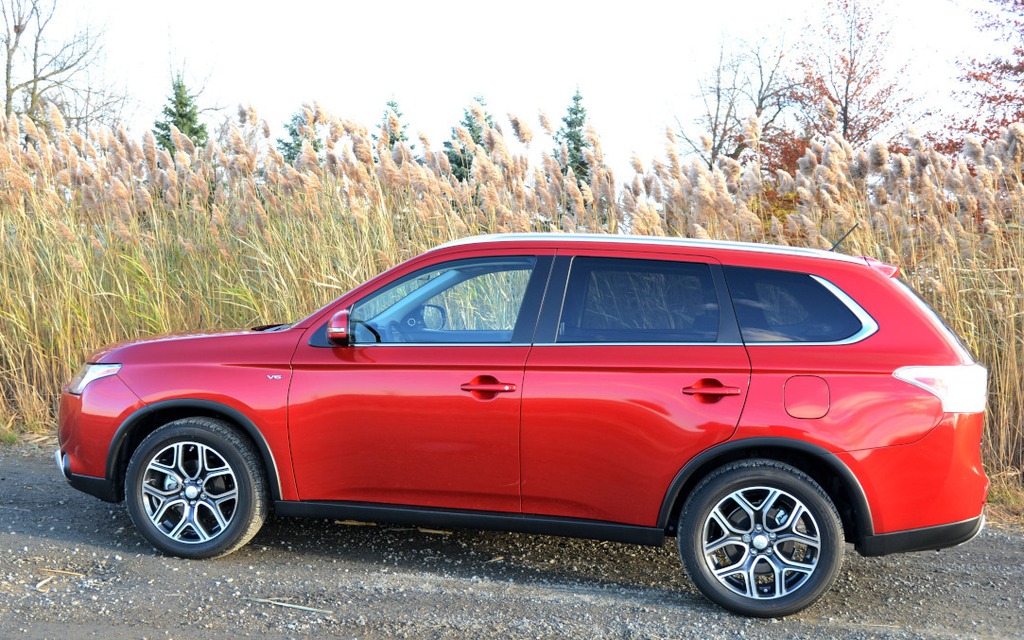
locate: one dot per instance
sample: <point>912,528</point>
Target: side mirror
<point>337,329</point>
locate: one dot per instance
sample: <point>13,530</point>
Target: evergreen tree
<point>299,130</point>
<point>394,137</point>
<point>571,134</point>
<point>460,156</point>
<point>182,112</point>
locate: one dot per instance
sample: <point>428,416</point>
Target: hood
<point>273,344</point>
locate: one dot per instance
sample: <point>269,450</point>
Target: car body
<point>762,404</point>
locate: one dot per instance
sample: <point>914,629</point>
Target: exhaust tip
<point>62,463</point>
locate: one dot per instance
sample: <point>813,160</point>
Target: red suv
<point>760,404</point>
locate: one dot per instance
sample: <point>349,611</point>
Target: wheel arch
<point>826,469</point>
<point>151,417</point>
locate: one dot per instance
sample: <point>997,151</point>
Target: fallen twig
<point>64,573</point>
<point>355,523</point>
<point>290,606</point>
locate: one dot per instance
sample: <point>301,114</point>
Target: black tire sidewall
<point>245,508</point>
<point>733,478</point>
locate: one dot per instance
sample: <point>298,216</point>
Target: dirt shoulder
<point>73,567</point>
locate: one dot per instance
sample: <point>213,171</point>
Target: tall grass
<point>106,237</point>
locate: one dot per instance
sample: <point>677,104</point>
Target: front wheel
<point>760,538</point>
<point>196,489</point>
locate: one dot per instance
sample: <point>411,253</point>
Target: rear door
<point>636,369</point>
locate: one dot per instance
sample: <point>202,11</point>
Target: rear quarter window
<point>784,306</point>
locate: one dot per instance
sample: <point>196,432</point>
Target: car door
<point>635,371</point>
<point>423,408</point>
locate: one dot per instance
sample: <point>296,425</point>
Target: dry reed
<point>105,237</point>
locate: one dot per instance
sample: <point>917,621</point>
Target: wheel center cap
<point>760,542</point>
<point>191,492</point>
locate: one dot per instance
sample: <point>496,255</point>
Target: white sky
<point>636,63</point>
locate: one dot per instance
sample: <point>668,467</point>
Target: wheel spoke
<point>198,527</point>
<point>723,520</point>
<point>792,520</point>
<point>750,507</point>
<point>799,538</point>
<point>739,571</point>
<point>175,533</point>
<point>221,498</point>
<point>220,473</point>
<point>752,577</point>
<point>213,508</point>
<point>169,471</point>
<point>796,565</point>
<point>723,543</point>
<point>153,491</point>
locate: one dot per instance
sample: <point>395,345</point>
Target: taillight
<point>961,388</point>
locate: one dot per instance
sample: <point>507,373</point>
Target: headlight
<point>88,373</point>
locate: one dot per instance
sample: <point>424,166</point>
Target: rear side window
<point>782,306</point>
<point>629,301</point>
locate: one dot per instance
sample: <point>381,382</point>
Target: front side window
<point>615,300</point>
<point>784,306</point>
<point>465,301</point>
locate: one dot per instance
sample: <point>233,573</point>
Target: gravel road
<point>73,567</point>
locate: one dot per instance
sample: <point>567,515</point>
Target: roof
<point>656,241</point>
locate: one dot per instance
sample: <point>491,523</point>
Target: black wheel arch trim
<point>729,450</point>
<point>179,408</point>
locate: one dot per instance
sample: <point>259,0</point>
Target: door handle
<point>710,390</point>
<point>488,387</point>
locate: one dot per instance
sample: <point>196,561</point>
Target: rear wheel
<point>196,489</point>
<point>760,538</point>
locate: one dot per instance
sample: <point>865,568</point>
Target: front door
<point>423,409</point>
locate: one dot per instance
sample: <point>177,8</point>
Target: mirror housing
<point>338,329</point>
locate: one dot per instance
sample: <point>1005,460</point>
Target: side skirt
<point>521,523</point>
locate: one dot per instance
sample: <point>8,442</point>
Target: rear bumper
<point>98,487</point>
<point>937,537</point>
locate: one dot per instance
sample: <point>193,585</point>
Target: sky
<point>636,63</point>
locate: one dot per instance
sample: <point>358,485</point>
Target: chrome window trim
<point>638,344</point>
<point>868,326</point>
<point>438,344</point>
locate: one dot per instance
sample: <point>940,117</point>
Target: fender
<point>730,449</point>
<point>181,407</point>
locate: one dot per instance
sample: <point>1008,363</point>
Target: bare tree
<point>38,70</point>
<point>753,80</point>
<point>720,128</point>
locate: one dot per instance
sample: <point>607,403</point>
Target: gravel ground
<point>73,567</point>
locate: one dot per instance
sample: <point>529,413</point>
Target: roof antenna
<point>845,235</point>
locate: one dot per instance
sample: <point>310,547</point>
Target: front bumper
<point>101,488</point>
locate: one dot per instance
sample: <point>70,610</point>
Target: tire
<point>760,538</point>
<point>196,489</point>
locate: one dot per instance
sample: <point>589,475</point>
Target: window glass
<point>783,306</point>
<point>626,300</point>
<point>466,301</point>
